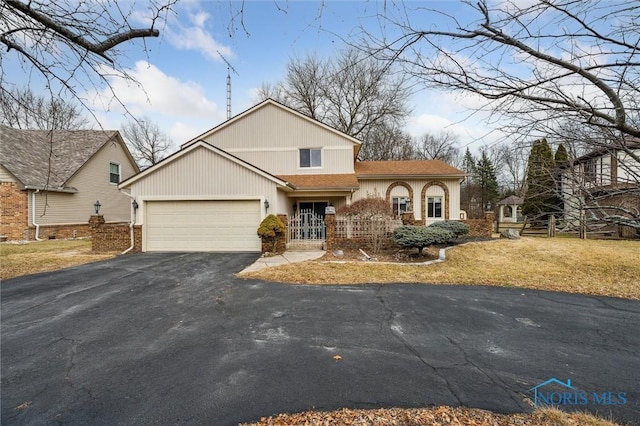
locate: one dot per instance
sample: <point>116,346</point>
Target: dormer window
<point>310,157</point>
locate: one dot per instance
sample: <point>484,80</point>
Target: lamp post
<point>97,206</point>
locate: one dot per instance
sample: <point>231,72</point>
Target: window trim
<point>310,166</point>
<point>431,207</point>
<point>111,174</point>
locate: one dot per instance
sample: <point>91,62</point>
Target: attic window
<point>310,157</point>
<point>114,173</point>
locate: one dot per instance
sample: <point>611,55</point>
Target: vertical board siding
<point>378,187</point>
<point>92,183</point>
<point>205,174</point>
<point>269,138</point>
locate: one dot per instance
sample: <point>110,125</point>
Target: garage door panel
<point>202,225</point>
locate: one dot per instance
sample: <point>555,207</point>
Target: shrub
<point>374,214</point>
<point>420,236</point>
<point>456,227</point>
<point>270,227</point>
<point>368,207</point>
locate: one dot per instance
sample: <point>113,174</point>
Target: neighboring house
<point>212,194</point>
<point>604,185</point>
<point>50,180</point>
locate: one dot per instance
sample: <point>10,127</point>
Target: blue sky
<point>185,79</point>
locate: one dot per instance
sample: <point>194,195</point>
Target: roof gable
<point>199,145</point>
<point>49,158</point>
<point>271,103</point>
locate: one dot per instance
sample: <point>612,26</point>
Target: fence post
<point>551,227</point>
<point>330,223</point>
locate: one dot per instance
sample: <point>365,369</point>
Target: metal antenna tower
<point>229,69</point>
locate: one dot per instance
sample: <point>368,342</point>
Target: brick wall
<point>113,236</point>
<point>14,210</point>
<point>62,231</point>
<point>480,227</point>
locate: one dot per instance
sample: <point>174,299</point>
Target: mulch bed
<point>395,254</point>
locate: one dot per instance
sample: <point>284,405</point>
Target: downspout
<point>33,214</point>
<point>131,223</point>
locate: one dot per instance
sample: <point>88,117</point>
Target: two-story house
<point>212,194</point>
<point>603,187</point>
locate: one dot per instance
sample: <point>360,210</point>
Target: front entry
<point>306,227</point>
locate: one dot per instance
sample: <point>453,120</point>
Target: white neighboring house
<point>605,186</point>
<point>212,194</point>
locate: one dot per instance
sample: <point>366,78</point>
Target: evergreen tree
<point>487,180</point>
<point>469,191</point>
<point>541,199</point>
<point>561,156</point>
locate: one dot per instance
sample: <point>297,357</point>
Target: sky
<point>184,71</point>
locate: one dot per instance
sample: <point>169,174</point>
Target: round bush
<point>455,227</point>
<point>420,236</point>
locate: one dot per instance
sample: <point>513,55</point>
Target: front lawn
<point>596,267</point>
<point>42,256</point>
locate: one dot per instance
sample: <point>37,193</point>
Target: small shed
<point>510,209</point>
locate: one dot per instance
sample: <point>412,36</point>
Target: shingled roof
<point>25,153</point>
<point>346,181</point>
<point>406,168</point>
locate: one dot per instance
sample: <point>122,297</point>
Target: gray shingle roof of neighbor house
<point>513,199</point>
<point>25,154</point>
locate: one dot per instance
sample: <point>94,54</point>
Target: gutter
<point>131,223</point>
<point>33,214</point>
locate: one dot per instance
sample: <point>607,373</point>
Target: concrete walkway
<point>284,259</point>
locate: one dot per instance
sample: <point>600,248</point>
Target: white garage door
<point>202,225</point>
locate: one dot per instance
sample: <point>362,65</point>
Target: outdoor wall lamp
<point>96,207</point>
<point>134,204</point>
<point>266,204</point>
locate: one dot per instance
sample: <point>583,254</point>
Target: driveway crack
<point>494,379</point>
<point>389,319</point>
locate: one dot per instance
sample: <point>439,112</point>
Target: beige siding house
<point>51,180</point>
<point>213,193</point>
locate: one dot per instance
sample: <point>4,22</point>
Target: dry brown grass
<point>433,416</point>
<point>23,259</point>
<point>596,267</point>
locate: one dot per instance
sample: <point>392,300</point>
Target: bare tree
<point>387,143</point>
<point>538,65</point>
<point>443,147</point>
<point>22,109</point>
<point>72,45</point>
<point>351,92</point>
<point>147,143</point>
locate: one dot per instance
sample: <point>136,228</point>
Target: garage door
<point>202,225</point>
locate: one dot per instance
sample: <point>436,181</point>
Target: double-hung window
<point>310,157</point>
<point>434,207</point>
<point>114,173</point>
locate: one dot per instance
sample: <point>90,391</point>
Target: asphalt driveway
<point>176,338</point>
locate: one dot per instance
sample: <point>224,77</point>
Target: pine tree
<point>487,180</point>
<point>561,156</point>
<point>541,199</point>
<point>469,189</point>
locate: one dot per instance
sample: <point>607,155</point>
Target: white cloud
<point>155,93</point>
<point>194,36</point>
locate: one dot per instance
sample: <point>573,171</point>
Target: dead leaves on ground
<point>435,416</point>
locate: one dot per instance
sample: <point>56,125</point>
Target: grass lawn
<point>596,267</point>
<point>42,256</point>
